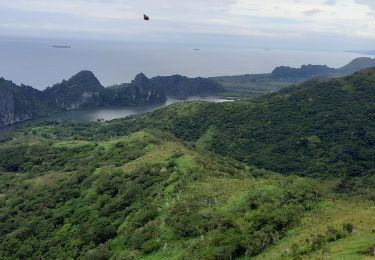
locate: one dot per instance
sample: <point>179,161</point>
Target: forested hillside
<point>287,176</point>
<point>321,127</point>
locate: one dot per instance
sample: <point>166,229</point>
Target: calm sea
<point>37,63</point>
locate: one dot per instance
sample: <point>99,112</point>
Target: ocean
<point>37,63</point>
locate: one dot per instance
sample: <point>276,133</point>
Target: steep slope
<point>19,103</point>
<point>140,91</point>
<point>83,89</point>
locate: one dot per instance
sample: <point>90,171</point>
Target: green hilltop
<point>287,176</point>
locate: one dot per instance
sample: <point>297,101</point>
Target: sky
<point>320,24</point>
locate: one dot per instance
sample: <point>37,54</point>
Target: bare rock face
<point>140,91</point>
<point>144,89</point>
<point>81,90</point>
<point>19,103</point>
<point>16,102</point>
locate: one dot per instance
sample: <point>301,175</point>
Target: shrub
<point>348,227</point>
<point>318,242</point>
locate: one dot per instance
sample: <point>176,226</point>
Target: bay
<point>107,113</point>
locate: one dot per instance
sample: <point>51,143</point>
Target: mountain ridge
<point>255,85</point>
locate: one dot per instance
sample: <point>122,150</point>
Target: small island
<point>62,46</point>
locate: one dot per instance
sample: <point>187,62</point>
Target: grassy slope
<point>190,176</point>
<point>330,213</point>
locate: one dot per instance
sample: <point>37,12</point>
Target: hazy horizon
<point>36,63</point>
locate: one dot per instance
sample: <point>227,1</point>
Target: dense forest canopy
<point>287,176</point>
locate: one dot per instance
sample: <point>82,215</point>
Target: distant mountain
<point>309,71</point>
<point>305,72</point>
<point>356,65</point>
<point>283,76</point>
<point>19,103</point>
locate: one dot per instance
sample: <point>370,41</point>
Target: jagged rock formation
<point>81,90</point>
<point>140,91</point>
<point>20,103</point>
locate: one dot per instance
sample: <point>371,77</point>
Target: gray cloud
<point>312,12</point>
<point>369,3</point>
<point>173,21</point>
<point>330,2</point>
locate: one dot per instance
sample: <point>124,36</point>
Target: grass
<point>331,213</point>
<point>49,179</point>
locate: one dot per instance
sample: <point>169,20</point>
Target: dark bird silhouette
<point>146,18</point>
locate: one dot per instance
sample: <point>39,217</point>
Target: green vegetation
<point>251,86</point>
<point>287,176</point>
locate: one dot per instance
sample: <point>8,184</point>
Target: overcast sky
<point>289,23</point>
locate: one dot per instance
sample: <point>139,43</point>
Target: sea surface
<point>37,63</point>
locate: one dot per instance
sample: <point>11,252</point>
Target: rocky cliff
<point>139,92</point>
<point>81,90</point>
<point>19,103</point>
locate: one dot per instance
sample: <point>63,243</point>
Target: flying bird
<point>146,18</point>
